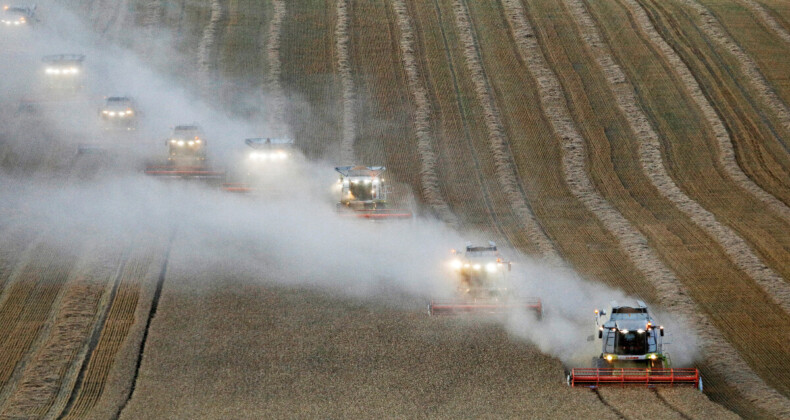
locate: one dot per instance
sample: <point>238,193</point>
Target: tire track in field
<point>431,191</point>
<point>573,148</point>
<point>94,338</point>
<point>617,412</point>
<point>272,82</point>
<point>45,374</point>
<point>652,161</point>
<point>151,314</point>
<point>669,405</point>
<point>486,194</point>
<point>342,39</point>
<point>721,356</point>
<point>715,31</point>
<point>206,49</point>
<point>503,160</point>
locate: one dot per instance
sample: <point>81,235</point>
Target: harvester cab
<point>265,166</point>
<point>118,113</point>
<point>482,276</point>
<point>64,72</point>
<point>630,337</point>
<point>18,16</point>
<point>632,352</point>
<point>186,155</point>
<point>363,193</point>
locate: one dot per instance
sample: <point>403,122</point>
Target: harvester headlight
<point>609,357</point>
<point>640,331</point>
<point>467,265</point>
<point>191,143</point>
<point>653,357</point>
<point>181,142</point>
<point>624,331</point>
<point>52,70</point>
<point>112,113</point>
<point>105,112</point>
<point>476,266</point>
<point>281,155</point>
<point>491,267</point>
<point>198,141</point>
<point>456,264</point>
<point>172,141</point>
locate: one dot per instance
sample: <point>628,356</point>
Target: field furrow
<point>272,81</point>
<point>464,166</point>
<point>700,289</point>
<point>759,54</point>
<point>382,107</point>
<point>315,109</point>
<point>114,336</point>
<point>694,50</point>
<point>422,128</point>
<point>26,306</point>
<point>342,41</point>
<point>655,168</point>
<point>207,50</point>
<point>505,169</point>
<point>45,373</point>
<point>538,155</point>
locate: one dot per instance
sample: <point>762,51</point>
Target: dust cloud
<point>293,239</point>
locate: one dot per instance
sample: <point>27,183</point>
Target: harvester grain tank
<point>186,156</point>
<point>364,193</point>
<point>632,352</point>
<point>266,166</point>
<point>483,285</point>
<point>18,16</point>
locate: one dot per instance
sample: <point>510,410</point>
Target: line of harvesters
<point>632,346</point>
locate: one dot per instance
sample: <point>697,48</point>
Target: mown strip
<point>721,357</point>
<point>429,179</point>
<point>44,374</point>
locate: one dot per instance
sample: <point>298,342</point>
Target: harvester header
<point>632,352</point>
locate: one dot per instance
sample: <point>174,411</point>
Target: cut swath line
<point>207,44</point>
<point>347,155</point>
<point>94,338</point>
<point>422,116</point>
<point>151,314</point>
<point>652,160</point>
<point>498,141</point>
<point>715,31</point>
<point>273,85</point>
<point>721,356</point>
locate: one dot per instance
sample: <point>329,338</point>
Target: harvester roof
<point>266,143</point>
<point>64,59</point>
<point>361,171</point>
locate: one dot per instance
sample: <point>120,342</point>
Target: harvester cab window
<point>362,190</point>
<point>631,342</point>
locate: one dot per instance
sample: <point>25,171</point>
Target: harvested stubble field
<point>641,143</point>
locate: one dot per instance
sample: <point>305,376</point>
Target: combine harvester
<point>119,113</point>
<point>483,285</point>
<point>186,157</point>
<point>267,167</point>
<point>64,73</point>
<point>18,16</point>
<point>632,353</point>
<point>363,194</point>
<point>58,93</point>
